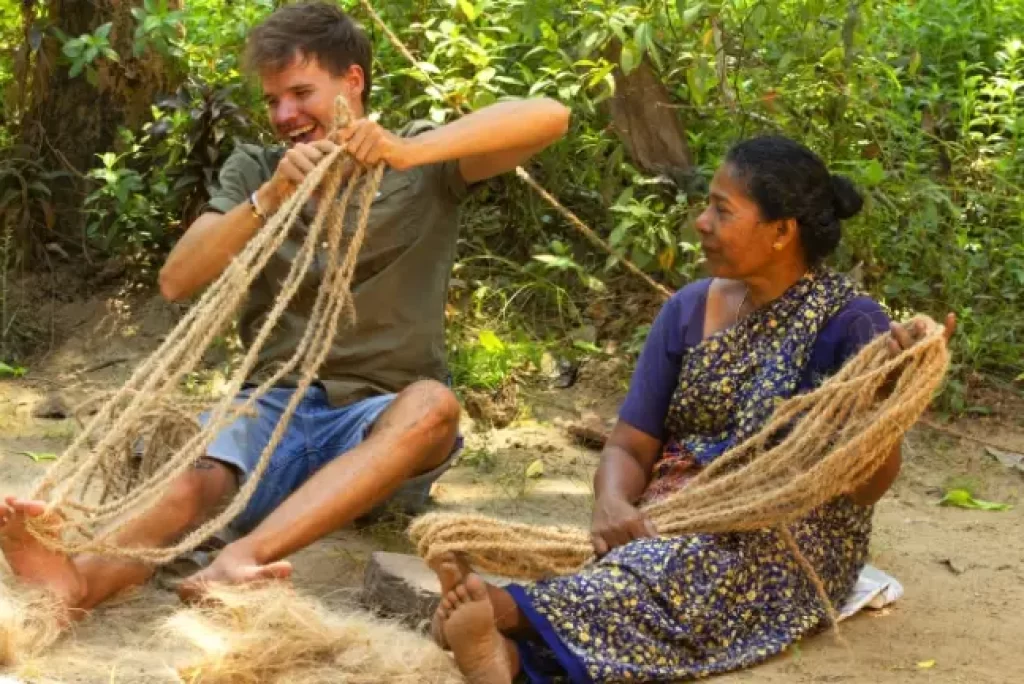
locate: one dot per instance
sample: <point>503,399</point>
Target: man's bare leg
<point>189,502</point>
<point>83,582</point>
<point>414,435</point>
<point>31,561</point>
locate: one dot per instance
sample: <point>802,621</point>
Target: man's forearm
<point>205,250</point>
<point>520,127</point>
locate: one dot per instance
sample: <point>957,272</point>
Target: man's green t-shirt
<point>399,287</point>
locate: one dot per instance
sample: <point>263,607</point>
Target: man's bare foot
<point>452,570</point>
<point>232,566</point>
<point>31,561</point>
<point>479,648</point>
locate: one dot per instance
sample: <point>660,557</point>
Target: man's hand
<point>905,335</point>
<point>293,168</point>
<point>370,143</point>
<point>617,522</point>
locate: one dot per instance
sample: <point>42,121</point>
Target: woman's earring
<point>777,246</point>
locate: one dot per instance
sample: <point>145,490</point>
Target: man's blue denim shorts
<point>317,434</point>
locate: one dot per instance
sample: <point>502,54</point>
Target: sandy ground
<point>963,570</point>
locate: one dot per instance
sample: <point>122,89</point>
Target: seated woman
<point>770,323</point>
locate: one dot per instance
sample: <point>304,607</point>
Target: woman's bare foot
<point>480,650</point>
<point>232,566</point>
<point>452,570</point>
<point>31,561</point>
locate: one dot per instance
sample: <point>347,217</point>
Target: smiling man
<point>380,425</point>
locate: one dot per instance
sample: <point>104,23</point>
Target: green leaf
<point>961,498</point>
<point>630,57</point>
<point>72,48</point>
<point>76,68</point>
<point>535,469</point>
<point>104,30</point>
<point>427,67</point>
<point>915,63</point>
<point>588,347</point>
<point>643,38</point>
<point>467,9</point>
<point>485,74</point>
<point>483,98</point>
<point>784,62</point>
<point>490,342</point>
<point>11,371</point>
<point>695,85</point>
<point>39,457</point>
<point>874,174</point>
<point>692,14</point>
<point>555,261</point>
<point>833,57</point>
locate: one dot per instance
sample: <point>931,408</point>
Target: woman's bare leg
<point>452,571</point>
<point>483,654</point>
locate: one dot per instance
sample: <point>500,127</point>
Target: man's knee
<point>437,405</point>
<point>200,490</point>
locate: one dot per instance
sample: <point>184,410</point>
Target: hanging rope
<point>573,220</point>
<point>102,482</point>
<point>815,447</point>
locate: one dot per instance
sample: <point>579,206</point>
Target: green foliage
<point>84,51</point>
<point>26,210</point>
<point>157,28</point>
<point>488,362</point>
<point>962,498</point>
<point>123,218</point>
<point>193,136</point>
<point>919,103</point>
<point>482,460</point>
<point>10,37</point>
<point>9,371</point>
<point>160,180</point>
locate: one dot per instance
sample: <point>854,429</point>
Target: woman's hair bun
<point>848,200</point>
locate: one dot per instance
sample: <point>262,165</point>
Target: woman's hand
<point>617,522</point>
<point>903,336</point>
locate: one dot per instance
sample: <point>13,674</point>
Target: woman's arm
<point>875,488</point>
<point>622,477</point>
<point>636,440</point>
<point>626,463</point>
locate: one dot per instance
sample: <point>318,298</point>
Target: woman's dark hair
<point>314,30</point>
<point>787,180</point>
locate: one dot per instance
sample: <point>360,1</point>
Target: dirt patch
<point>963,570</point>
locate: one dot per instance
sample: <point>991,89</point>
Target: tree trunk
<point>69,120</point>
<point>646,121</point>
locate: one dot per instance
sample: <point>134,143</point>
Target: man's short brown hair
<point>311,30</point>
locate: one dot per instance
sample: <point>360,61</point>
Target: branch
<point>728,94</point>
